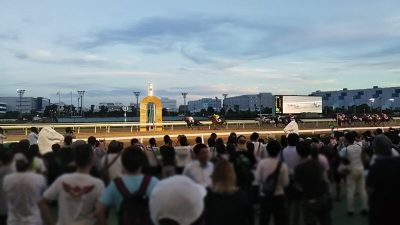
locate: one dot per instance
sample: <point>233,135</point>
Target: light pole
<point>137,94</point>
<point>391,100</point>
<point>223,104</point>
<point>371,100</point>
<point>59,103</point>
<point>20,94</point>
<point>81,94</point>
<point>216,103</point>
<point>184,94</point>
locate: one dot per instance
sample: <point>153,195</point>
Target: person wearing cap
<point>76,193</point>
<point>133,161</point>
<point>23,189</point>
<point>177,200</point>
<point>200,170</point>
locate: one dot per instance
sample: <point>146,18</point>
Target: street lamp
<point>137,94</point>
<point>184,94</point>
<point>223,104</point>
<point>59,103</point>
<point>216,104</point>
<point>81,94</point>
<point>20,94</point>
<point>391,100</point>
<point>371,100</point>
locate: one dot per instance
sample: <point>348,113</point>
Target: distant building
<point>204,103</point>
<point>250,102</point>
<point>183,109</point>
<point>375,97</point>
<point>112,106</point>
<point>25,104</point>
<point>3,108</point>
<point>169,104</point>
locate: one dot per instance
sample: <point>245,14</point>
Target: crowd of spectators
<point>241,181</point>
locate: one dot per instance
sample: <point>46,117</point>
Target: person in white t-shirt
<point>200,170</point>
<point>23,189</point>
<point>111,164</point>
<point>77,193</point>
<point>33,136</point>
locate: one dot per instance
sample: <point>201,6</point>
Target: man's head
<point>92,141</point>
<point>211,142</point>
<point>134,141</point>
<point>214,136</point>
<point>382,145</point>
<point>69,130</point>
<point>167,140</point>
<point>199,140</point>
<point>83,155</point>
<point>183,140</point>
<point>350,137</point>
<point>68,140</point>
<point>35,130</point>
<point>23,162</point>
<point>303,149</point>
<point>293,139</point>
<point>55,147</point>
<point>273,148</point>
<point>133,159</point>
<point>115,147</point>
<point>152,142</point>
<point>254,136</point>
<point>379,131</point>
<point>201,152</point>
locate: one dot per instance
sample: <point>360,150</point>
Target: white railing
<point>135,126</point>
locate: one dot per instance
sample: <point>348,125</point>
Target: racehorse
<point>190,124</point>
<point>218,122</point>
<point>264,121</point>
<point>284,120</point>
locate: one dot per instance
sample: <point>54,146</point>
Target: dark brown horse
<point>192,123</point>
<point>218,122</point>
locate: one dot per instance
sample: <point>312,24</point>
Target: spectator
<point>134,141</point>
<point>383,187</point>
<point>284,141</point>
<point>225,203</point>
<point>23,189</point>
<point>167,140</point>
<point>67,141</point>
<point>221,152</point>
<point>232,139</point>
<point>98,151</point>
<point>183,154</point>
<point>198,140</point>
<point>170,195</point>
<point>69,132</point>
<point>244,163</point>
<point>6,157</point>
<point>152,153</point>
<point>2,135</point>
<point>200,170</point>
<point>38,165</point>
<point>133,161</point>
<point>316,203</point>
<point>355,180</point>
<point>111,163</point>
<point>77,193</point>
<point>168,161</point>
<point>211,146</point>
<point>33,136</point>
<point>314,152</point>
<point>289,153</point>
<point>258,146</point>
<point>55,148</point>
<point>277,204</point>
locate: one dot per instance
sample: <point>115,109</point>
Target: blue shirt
<point>113,198</point>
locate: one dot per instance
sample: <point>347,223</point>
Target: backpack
<point>269,186</point>
<point>134,209</point>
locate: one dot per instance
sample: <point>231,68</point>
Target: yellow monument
<point>150,112</point>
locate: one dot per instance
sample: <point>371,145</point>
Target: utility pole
<point>81,94</point>
<point>71,105</point>
<point>137,94</point>
<point>59,103</point>
<point>223,104</point>
<point>20,94</point>
<point>184,94</point>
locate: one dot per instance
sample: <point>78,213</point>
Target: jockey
<point>190,118</point>
<point>216,117</point>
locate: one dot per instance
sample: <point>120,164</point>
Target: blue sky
<point>206,48</point>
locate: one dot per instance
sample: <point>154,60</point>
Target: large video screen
<point>287,104</point>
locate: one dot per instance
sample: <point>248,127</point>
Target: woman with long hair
<point>225,203</point>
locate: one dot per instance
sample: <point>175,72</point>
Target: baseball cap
<point>177,198</point>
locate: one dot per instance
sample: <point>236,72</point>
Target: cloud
<point>210,40</point>
<point>45,56</point>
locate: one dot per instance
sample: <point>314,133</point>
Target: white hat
<point>177,198</point>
